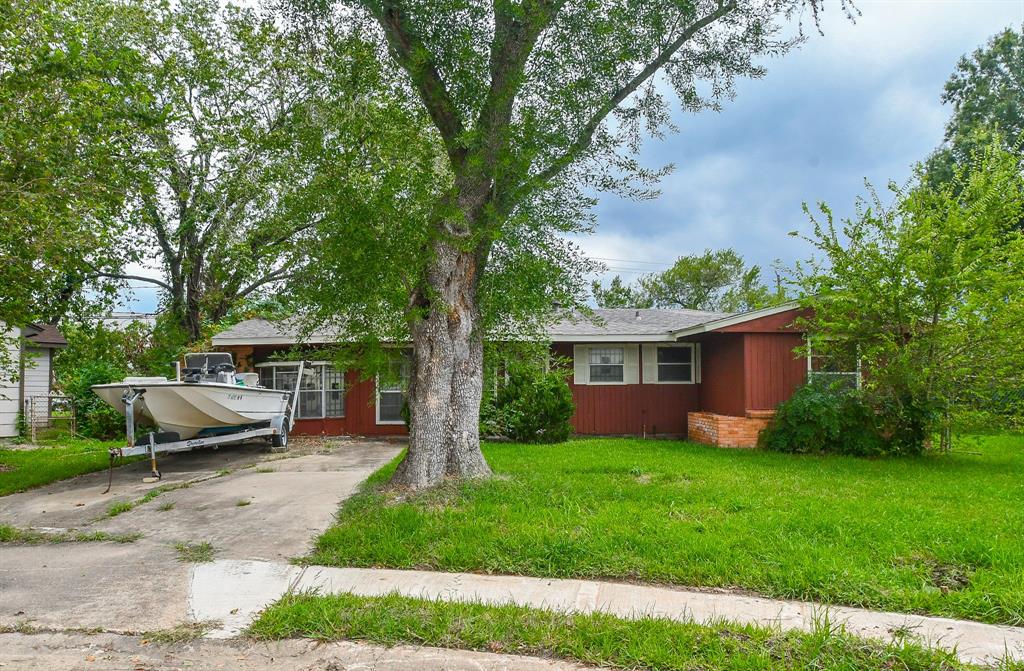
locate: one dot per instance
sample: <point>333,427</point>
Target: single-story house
<point>715,377</point>
<point>31,349</point>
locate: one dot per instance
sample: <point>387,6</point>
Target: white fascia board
<point>735,319</point>
<point>615,338</point>
<point>221,342</point>
<point>320,340</point>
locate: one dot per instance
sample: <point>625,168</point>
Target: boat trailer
<point>157,442</point>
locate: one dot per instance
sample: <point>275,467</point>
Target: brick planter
<point>727,430</point>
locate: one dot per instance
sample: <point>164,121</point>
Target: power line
<point>650,263</point>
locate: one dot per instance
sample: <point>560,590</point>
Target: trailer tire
<point>279,441</point>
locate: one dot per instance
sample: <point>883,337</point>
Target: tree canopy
<point>69,106</point>
<point>226,168</point>
<point>530,105</point>
<point>986,92</point>
<point>927,290</point>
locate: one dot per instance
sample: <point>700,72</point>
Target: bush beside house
<point>821,418</point>
<point>532,406</point>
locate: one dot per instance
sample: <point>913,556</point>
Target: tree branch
<point>279,274</point>
<point>586,135</point>
<point>514,40</point>
<point>413,56</point>
<point>143,278</point>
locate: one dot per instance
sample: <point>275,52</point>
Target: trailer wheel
<point>279,441</point>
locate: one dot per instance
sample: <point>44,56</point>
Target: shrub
<point>93,416</point>
<point>827,419</point>
<point>533,406</point>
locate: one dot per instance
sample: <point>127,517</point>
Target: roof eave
<point>614,337</point>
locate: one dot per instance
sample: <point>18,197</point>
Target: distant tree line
<point>716,281</point>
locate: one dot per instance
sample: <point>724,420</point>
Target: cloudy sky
<point>860,102</point>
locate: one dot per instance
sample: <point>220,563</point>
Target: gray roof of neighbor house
<point>604,325</point>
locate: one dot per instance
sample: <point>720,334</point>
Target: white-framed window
<point>607,364</point>
<point>612,363</point>
<point>322,393</point>
<point>671,363</point>
<point>391,390</point>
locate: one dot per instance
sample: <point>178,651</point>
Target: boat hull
<point>188,409</point>
<point>113,395</point>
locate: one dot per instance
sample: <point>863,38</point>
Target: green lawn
<point>61,457</point>
<point>937,534</point>
<point>597,639</point>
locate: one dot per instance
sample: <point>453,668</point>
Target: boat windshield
<point>208,360</point>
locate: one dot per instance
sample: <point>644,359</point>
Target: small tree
<point>929,290</point>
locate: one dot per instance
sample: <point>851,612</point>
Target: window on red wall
<point>607,364</point>
<point>322,393</point>
<point>391,388</point>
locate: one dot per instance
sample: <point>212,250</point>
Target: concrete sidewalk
<point>233,592</point>
<point>113,652</point>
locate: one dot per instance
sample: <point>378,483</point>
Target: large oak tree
<point>533,103</point>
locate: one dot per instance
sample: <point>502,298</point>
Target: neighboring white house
<point>31,350</point>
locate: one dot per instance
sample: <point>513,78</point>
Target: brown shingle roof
<point>45,335</point>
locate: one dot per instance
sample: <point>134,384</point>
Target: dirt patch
<point>5,468</point>
<point>943,576</point>
<point>950,577</point>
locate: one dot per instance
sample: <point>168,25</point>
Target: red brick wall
<point>726,430</point>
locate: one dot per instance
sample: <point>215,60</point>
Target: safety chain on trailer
<point>115,452</point>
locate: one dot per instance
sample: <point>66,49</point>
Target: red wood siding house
<point>715,377</point>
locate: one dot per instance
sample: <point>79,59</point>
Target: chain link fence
<point>48,411</point>
<point>990,407</point>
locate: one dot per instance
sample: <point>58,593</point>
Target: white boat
<point>113,394</point>
<point>209,399</point>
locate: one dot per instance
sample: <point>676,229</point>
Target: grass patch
<point>596,639</point>
<point>242,503</point>
<point>938,534</point>
<point>166,506</point>
<point>60,458</point>
<point>182,633</point>
<point>194,553</point>
<point>11,534</point>
<point>264,469</point>
<point>119,507</point>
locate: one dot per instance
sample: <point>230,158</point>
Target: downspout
<point>21,373</point>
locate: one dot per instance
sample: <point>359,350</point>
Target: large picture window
<point>322,393</point>
<point>391,390</point>
<point>607,364</point>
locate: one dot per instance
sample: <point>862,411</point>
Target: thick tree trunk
<point>446,382</point>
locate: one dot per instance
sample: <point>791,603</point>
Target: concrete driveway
<point>246,503</point>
